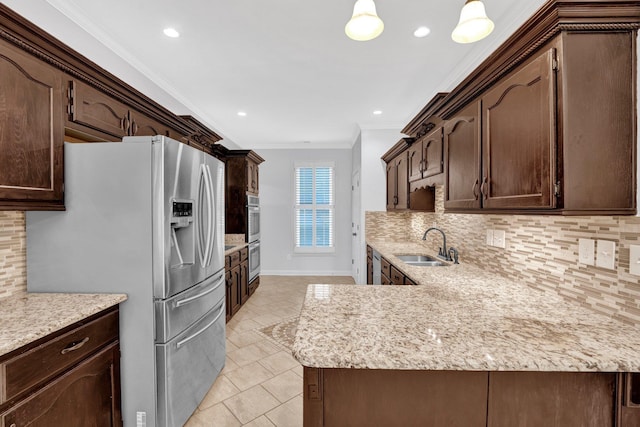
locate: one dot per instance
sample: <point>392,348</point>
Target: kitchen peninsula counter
<point>463,348</point>
<point>26,317</point>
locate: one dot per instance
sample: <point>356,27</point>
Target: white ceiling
<point>288,63</point>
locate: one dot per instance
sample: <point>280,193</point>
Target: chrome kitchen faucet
<point>442,252</point>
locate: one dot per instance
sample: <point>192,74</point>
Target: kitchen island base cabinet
<point>370,397</point>
<point>367,397</point>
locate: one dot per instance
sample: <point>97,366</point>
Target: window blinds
<point>314,207</point>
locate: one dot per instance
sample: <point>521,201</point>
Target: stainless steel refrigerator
<point>144,217</point>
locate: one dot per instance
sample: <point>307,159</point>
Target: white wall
<point>366,152</point>
<point>375,142</point>
<point>276,209</point>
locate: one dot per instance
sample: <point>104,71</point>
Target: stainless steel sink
<point>421,260</point>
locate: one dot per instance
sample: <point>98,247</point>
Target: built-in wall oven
<point>254,260</point>
<point>253,218</point>
<point>253,235</point>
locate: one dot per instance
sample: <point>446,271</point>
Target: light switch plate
<point>489,237</point>
<point>586,249</point>
<point>606,254</point>
<point>634,259</point>
<point>499,239</point>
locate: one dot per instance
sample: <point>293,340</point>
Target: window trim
<point>314,249</point>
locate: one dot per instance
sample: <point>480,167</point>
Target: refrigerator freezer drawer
<point>188,365</point>
<point>175,314</point>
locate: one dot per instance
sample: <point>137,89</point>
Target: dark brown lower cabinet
<point>367,397</point>
<point>237,280</point>
<point>69,378</point>
<point>84,396</point>
<point>552,399</point>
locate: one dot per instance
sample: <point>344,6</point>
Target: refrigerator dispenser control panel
<point>181,213</point>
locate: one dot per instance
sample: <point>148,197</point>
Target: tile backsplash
<point>541,251</point>
<point>13,247</point>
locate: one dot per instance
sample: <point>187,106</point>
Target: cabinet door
<point>391,185</point>
<point>369,271</point>
<point>402,181</point>
<point>235,290</point>
<point>31,131</point>
<point>432,154</point>
<point>462,159</point>
<point>244,282</point>
<point>87,395</point>
<point>551,399</point>
<point>415,162</point>
<point>142,125</point>
<point>94,109</point>
<point>252,177</point>
<point>519,140</point>
<point>229,291</point>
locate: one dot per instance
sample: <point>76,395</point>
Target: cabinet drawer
<point>81,397</point>
<point>386,267</point>
<point>46,361</point>
<point>244,254</point>
<point>369,252</point>
<point>396,277</point>
<point>234,259</point>
<point>384,280</point>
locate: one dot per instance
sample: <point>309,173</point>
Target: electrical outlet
<point>489,239</point>
<point>586,249</point>
<point>606,254</point>
<point>499,239</point>
<point>634,259</point>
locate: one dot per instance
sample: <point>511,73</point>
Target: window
<point>314,207</point>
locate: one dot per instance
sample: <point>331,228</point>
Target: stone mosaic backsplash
<point>541,251</point>
<point>13,253</point>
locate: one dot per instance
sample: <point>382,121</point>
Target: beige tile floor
<point>261,384</point>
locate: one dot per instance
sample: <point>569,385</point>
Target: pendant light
<point>364,24</point>
<point>473,25</point>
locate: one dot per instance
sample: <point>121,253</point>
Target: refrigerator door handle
<point>203,241</point>
<point>189,338</point>
<point>209,192</point>
<point>200,295</point>
<point>212,215</point>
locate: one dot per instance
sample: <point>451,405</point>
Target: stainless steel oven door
<point>253,223</point>
<point>254,260</point>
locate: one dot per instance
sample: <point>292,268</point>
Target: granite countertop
<point>26,317</point>
<point>234,247</point>
<point>459,318</point>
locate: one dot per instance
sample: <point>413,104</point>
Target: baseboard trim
<point>304,273</point>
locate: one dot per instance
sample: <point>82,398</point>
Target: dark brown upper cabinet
<point>91,111</point>
<point>31,132</point>
<point>519,138</point>
<point>397,183</point>
<point>425,156</point>
<point>547,123</point>
<point>241,179</point>
<point>462,159</point>
<point>397,160</point>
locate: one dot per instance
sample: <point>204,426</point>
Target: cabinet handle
<point>124,123</point>
<point>474,189</point>
<point>134,128</point>
<point>484,188</point>
<point>74,346</point>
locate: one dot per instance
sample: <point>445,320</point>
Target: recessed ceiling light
<point>242,113</point>
<point>422,32</point>
<point>171,32</point>
<point>377,112</point>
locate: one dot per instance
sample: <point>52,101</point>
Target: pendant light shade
<point>474,24</point>
<point>364,24</point>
